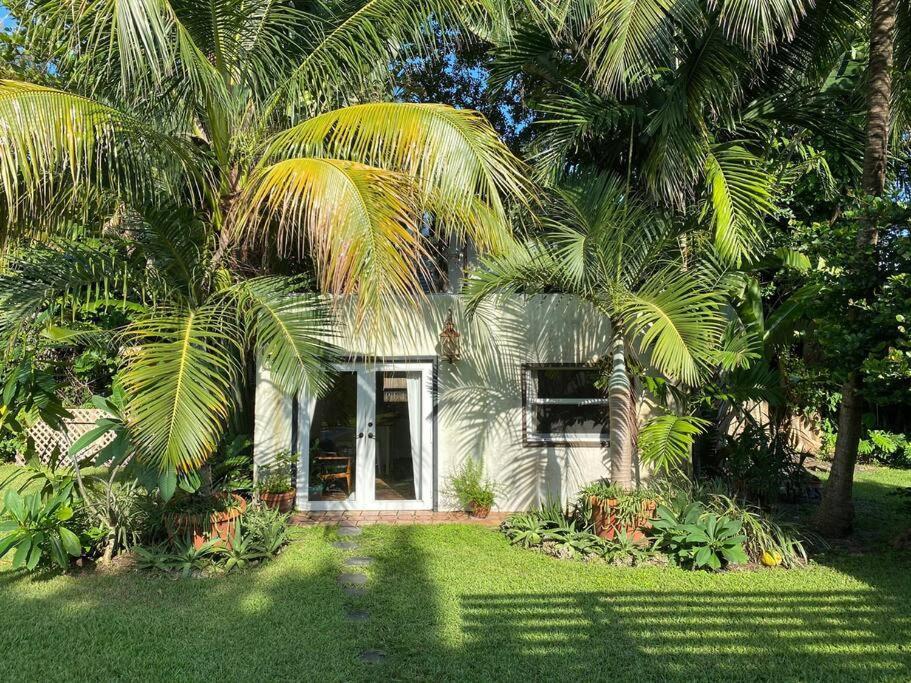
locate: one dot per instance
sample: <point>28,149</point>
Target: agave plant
<point>179,148</point>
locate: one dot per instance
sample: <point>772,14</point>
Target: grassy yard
<point>458,603</point>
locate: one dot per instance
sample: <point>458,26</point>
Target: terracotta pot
<point>608,526</point>
<point>479,511</point>
<point>283,502</point>
<point>201,527</point>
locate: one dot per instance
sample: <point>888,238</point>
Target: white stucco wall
<point>479,397</point>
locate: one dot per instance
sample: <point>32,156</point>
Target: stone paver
<point>345,545</point>
<point>353,579</point>
<point>355,591</point>
<point>373,656</point>
<point>357,615</point>
<point>359,561</point>
<point>349,531</point>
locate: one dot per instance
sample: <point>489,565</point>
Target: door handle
<point>360,435</point>
<point>370,435</point>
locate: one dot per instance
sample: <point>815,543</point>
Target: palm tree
<point>693,102</point>
<point>253,126</point>
<point>606,247</point>
<point>188,333</point>
<point>836,513</point>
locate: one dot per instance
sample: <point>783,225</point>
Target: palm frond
<point>180,369</point>
<point>456,158</point>
<point>289,331</point>
<point>362,38</point>
<point>676,322</point>
<point>627,40</point>
<point>55,143</point>
<point>360,222</point>
<point>739,198</point>
<point>526,268</point>
<point>48,284</point>
<point>139,43</point>
<point>666,441</point>
<point>760,25</point>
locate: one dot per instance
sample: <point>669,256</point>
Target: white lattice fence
<point>48,440</point>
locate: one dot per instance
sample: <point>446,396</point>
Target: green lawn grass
<point>458,603</point>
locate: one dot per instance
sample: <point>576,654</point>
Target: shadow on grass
<point>470,610</point>
<point>726,633</point>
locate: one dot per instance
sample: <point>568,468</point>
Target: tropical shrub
<point>695,538</point>
<point>258,536</point>
<point>37,529</point>
<point>761,464</point>
<point>470,488</point>
<point>885,448</point>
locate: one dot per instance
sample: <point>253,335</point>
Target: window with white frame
<point>563,405</point>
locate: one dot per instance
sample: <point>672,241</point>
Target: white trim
<point>532,435</point>
<point>365,472</point>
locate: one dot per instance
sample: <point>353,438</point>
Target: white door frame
<point>365,472</point>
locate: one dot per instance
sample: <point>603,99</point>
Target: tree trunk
<point>621,405</point>
<point>836,514</point>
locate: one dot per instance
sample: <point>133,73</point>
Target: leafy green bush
<point>469,486</point>
<point>36,527</point>
<point>696,538</point>
<point>885,448</point>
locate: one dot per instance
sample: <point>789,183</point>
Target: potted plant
<point>202,518</point>
<point>614,509</point>
<point>275,486</point>
<point>475,493</point>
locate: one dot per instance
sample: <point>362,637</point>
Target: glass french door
<point>367,444</point>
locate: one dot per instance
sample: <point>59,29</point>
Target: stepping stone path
<point>373,656</point>
<point>353,585</point>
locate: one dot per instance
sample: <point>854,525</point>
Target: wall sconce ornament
<point>450,346</point>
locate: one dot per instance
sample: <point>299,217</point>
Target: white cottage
<point>400,418</point>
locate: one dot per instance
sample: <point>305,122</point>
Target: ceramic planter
<point>608,525</point>
<point>283,502</point>
<point>203,526</point>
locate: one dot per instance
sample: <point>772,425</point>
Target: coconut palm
<point>606,247</point>
<point>254,127</point>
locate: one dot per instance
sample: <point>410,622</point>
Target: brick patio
<point>367,518</point>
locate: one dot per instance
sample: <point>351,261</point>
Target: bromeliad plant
<point>183,147</point>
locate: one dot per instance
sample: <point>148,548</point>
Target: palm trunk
<point>622,420</point>
<point>836,514</point>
